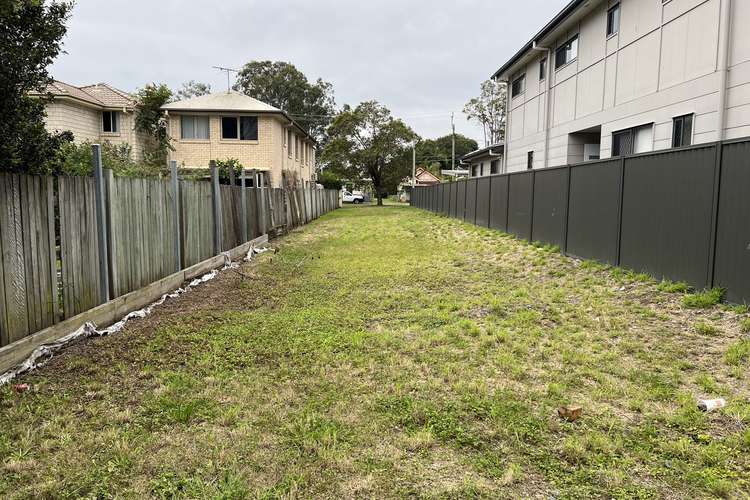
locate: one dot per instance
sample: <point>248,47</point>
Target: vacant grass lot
<point>388,352</point>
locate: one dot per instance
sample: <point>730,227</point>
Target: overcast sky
<point>421,58</point>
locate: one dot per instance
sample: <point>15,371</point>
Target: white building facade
<point>608,78</point>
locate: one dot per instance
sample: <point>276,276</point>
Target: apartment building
<point>233,125</point>
<point>606,78</point>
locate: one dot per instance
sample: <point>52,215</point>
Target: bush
<point>329,180</point>
<point>226,165</point>
<point>75,159</point>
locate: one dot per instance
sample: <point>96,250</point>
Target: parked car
<point>353,198</point>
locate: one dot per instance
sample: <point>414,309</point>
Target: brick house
<point>233,125</point>
<point>96,113</point>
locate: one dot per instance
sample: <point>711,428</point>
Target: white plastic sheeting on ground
<point>42,354</point>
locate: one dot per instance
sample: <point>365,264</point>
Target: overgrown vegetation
<point>704,299</point>
<point>30,39</point>
<point>150,120</point>
<point>385,352</point>
<point>75,159</point>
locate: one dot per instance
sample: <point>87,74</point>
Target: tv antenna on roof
<point>228,70</point>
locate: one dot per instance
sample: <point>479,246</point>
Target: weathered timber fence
<point>50,247</point>
<point>680,214</point>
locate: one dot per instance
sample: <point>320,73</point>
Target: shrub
<point>75,159</point>
<point>225,166</point>
<point>329,180</point>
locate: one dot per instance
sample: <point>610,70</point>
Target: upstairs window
<point>543,69</point>
<point>110,123</point>
<point>518,86</point>
<point>682,131</point>
<point>633,140</point>
<point>613,20</point>
<point>567,52</point>
<point>244,128</point>
<point>530,160</point>
<point>494,167</point>
<point>289,138</point>
<point>194,127</point>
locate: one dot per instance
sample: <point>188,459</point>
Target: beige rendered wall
<point>663,63</point>
<point>84,122</point>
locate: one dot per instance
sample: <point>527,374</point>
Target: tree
<point>489,110</point>
<point>367,143</point>
<point>330,180</point>
<point>193,89</point>
<point>435,154</point>
<point>282,85</point>
<point>150,120</point>
<point>30,36</point>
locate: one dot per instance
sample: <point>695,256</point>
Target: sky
<point>422,59</point>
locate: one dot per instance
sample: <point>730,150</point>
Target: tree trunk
<point>380,198</point>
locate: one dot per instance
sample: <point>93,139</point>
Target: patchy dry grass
<point>388,352</point>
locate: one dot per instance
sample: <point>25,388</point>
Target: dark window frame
<point>111,120</point>
<point>494,167</point>
<point>613,20</point>
<point>521,82</point>
<point>543,69</point>
<point>564,49</point>
<point>239,133</point>
<point>682,130</point>
<point>530,160</point>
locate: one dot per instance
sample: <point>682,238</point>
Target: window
<point>244,128</point>
<point>633,140</point>
<point>194,127</point>
<point>248,128</point>
<point>613,20</point>
<point>567,52</point>
<point>494,167</point>
<point>518,86</point>
<point>289,142</point>
<point>475,170</point>
<point>543,69</point>
<point>682,131</point>
<point>481,169</point>
<point>229,127</point>
<point>296,147</point>
<point>530,160</point>
<point>110,122</point>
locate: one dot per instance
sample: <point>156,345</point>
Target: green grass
<point>673,287</point>
<point>703,300</point>
<point>390,353</point>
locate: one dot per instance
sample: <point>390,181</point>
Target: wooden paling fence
<point>70,244</point>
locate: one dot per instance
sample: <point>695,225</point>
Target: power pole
<point>453,144</point>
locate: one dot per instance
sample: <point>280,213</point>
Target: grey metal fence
<point>680,214</point>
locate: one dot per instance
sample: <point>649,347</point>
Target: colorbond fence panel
<point>594,208</point>
<point>483,201</point>
<point>499,202</point>
<point>453,196</point>
<point>667,214</point>
<point>141,233</point>
<point>28,281</point>
<point>446,201</point>
<point>520,199</point>
<point>550,206</point>
<point>732,268</point>
<point>197,222</point>
<point>471,201</point>
<point>460,200</point>
<point>79,245</point>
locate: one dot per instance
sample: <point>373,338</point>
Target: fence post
<point>231,176</point>
<point>714,216</point>
<point>216,204</point>
<point>101,223</point>
<point>243,206</point>
<point>114,280</point>
<point>176,213</point>
<point>567,211</point>
<point>531,213</point>
<point>261,183</point>
<point>619,210</point>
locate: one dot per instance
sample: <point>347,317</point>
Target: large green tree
<point>30,35</point>
<point>192,89</point>
<point>150,120</point>
<point>282,85</point>
<point>368,143</point>
<point>435,154</point>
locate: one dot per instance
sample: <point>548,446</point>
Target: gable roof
<point>424,175</point>
<point>101,94</point>
<point>230,102</point>
<point>492,151</point>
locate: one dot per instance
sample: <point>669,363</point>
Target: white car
<point>348,197</point>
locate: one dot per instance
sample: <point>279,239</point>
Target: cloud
<point>422,59</point>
